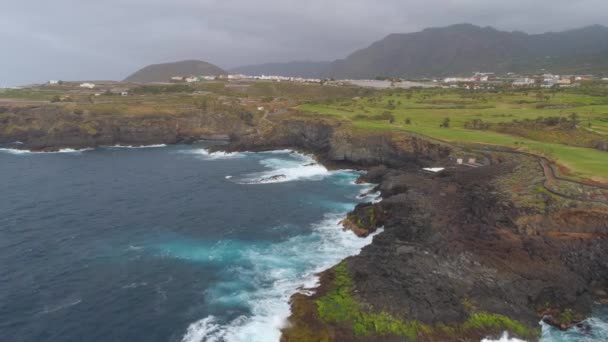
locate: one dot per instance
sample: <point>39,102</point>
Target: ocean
<point>167,243</point>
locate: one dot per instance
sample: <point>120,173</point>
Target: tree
<point>56,98</point>
<point>408,121</point>
<point>445,123</point>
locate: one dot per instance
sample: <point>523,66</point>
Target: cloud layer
<point>70,39</point>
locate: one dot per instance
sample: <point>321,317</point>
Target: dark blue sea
<point>166,243</point>
<point>163,243</point>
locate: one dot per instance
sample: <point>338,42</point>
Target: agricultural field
<point>572,129</point>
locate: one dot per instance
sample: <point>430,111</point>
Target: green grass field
<point>427,109</point>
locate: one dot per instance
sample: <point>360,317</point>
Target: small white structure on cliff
<point>87,85</point>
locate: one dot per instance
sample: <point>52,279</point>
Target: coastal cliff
<point>466,253</point>
<point>52,127</point>
<point>339,143</point>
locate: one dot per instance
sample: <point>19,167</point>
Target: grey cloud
<point>70,39</point>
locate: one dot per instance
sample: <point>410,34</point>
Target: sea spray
<point>274,273</point>
<point>28,152</point>
<point>281,170</point>
<point>137,146</point>
<point>267,275</point>
<point>204,153</point>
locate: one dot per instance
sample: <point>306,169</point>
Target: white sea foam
<point>61,306</point>
<point>25,152</point>
<point>265,275</point>
<point>204,330</point>
<point>298,167</point>
<point>206,154</point>
<point>273,273</point>
<point>142,146</point>
<point>504,338</point>
<point>595,330</point>
<point>374,197</point>
<point>434,169</point>
<point>282,152</point>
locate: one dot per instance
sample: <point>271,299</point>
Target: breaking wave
<point>296,167</point>
<point>207,155</point>
<point>25,152</point>
<point>265,278</point>
<point>594,329</point>
<point>134,146</point>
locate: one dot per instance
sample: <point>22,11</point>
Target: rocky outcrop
<point>453,263</point>
<point>365,219</point>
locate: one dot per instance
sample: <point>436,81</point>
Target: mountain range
<point>465,48</point>
<point>435,52</point>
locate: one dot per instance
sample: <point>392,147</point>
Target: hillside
<point>163,72</point>
<point>466,48</point>
<point>305,69</point>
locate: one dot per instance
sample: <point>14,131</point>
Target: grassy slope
<point>427,109</point>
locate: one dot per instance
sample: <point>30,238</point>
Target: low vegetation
<point>568,126</point>
<point>339,306</point>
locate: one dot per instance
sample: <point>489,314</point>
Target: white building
<point>458,79</point>
<point>177,78</point>
<point>237,77</point>
<point>87,85</point>
<point>191,79</point>
<point>53,82</point>
<point>524,82</point>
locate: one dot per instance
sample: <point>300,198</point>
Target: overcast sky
<point>84,39</point>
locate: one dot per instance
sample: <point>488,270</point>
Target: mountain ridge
<point>466,48</point>
<point>163,72</point>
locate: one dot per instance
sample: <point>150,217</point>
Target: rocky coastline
<point>458,258</point>
<point>462,255</point>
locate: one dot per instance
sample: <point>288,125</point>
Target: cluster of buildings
<point>87,85</point>
<point>192,79</point>
<point>482,80</point>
